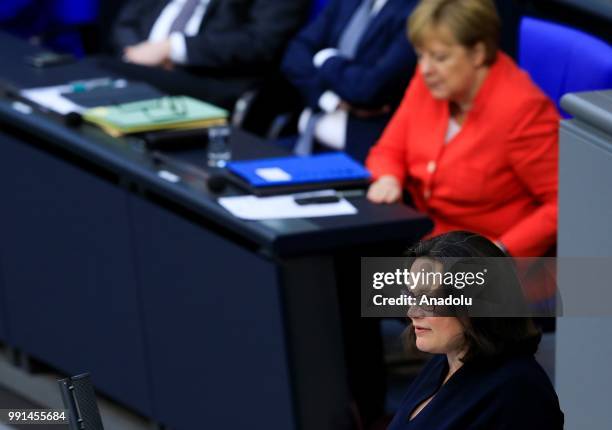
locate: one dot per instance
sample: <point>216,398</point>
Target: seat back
<point>75,12</point>
<point>561,59</point>
<point>316,8</point>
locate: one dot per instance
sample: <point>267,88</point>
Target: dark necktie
<point>357,26</point>
<point>184,16</point>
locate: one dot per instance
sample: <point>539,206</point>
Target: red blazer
<point>496,177</point>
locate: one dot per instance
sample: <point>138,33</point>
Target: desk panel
<point>213,326</point>
<point>71,295</point>
<point>3,319</point>
<point>585,211</point>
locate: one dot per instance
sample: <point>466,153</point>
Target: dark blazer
<point>234,34</point>
<point>239,42</point>
<point>509,393</point>
<point>376,77</point>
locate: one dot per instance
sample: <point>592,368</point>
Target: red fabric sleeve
<point>533,152</point>
<point>388,155</point>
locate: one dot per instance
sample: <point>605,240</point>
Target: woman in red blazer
<point>474,141</point>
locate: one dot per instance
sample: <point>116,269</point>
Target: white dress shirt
<point>453,129</point>
<point>161,28</point>
<point>330,129</point>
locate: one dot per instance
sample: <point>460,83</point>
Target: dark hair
<point>485,337</point>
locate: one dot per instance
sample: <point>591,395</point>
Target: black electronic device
<point>80,399</point>
<point>175,140</point>
<point>312,200</point>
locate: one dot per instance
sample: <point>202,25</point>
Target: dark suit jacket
<point>239,41</point>
<point>377,76</point>
<point>511,392</point>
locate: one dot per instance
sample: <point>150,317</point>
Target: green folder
<point>176,112</point>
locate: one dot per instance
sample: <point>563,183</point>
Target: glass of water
<point>218,152</point>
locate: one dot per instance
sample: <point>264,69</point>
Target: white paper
<point>51,98</point>
<point>277,207</point>
<point>168,176</point>
<point>273,174</point>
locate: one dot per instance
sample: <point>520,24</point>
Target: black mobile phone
<point>312,200</point>
<point>48,59</point>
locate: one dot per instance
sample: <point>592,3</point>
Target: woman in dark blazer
<point>483,374</point>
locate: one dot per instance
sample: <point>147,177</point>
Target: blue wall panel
<point>214,327</point>
<point>67,261</point>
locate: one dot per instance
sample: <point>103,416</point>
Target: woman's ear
<point>479,54</point>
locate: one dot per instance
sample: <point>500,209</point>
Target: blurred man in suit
<point>351,65</point>
<point>229,44</point>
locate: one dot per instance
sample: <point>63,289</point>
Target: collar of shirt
<point>161,28</point>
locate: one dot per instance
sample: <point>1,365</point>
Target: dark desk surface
<point>126,158</point>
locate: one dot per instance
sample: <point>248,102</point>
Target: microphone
<point>73,119</point>
<point>215,182</point>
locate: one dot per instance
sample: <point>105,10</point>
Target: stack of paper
<point>281,207</point>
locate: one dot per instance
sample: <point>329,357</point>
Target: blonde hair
<point>469,22</point>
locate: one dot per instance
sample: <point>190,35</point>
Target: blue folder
<point>287,174</point>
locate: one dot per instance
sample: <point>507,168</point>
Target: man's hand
<point>387,189</point>
<point>148,53</point>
